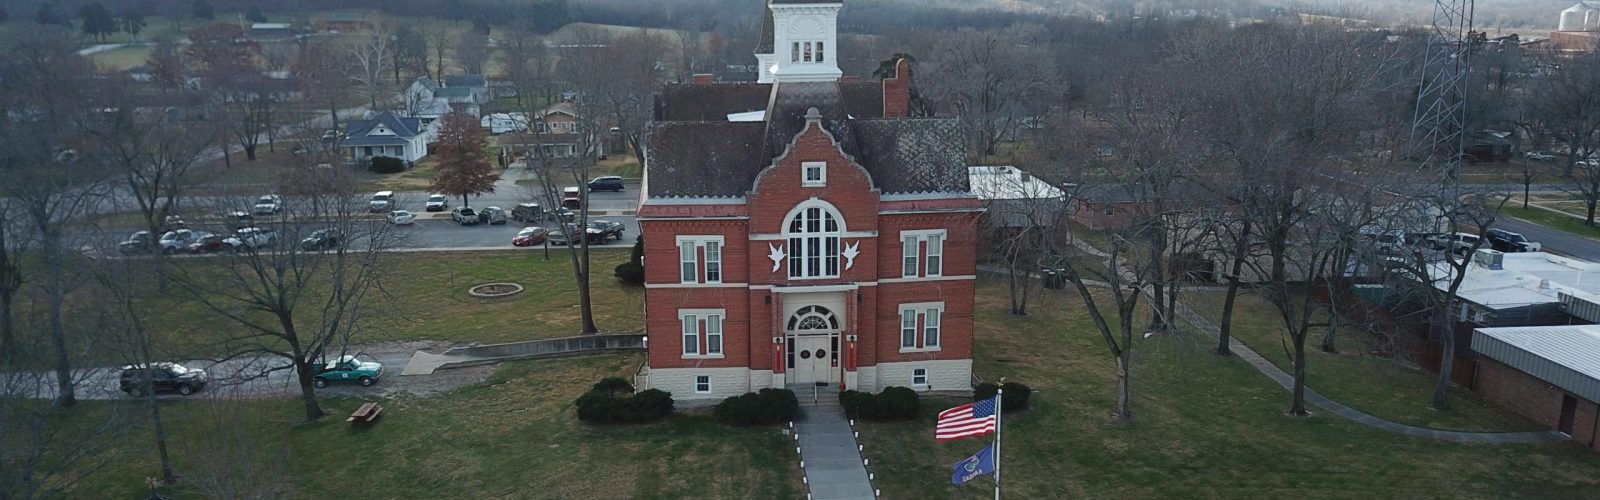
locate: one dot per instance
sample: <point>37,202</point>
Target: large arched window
<point>813,233</point>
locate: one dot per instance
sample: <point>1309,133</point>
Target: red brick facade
<point>866,296</point>
<point>1537,400</point>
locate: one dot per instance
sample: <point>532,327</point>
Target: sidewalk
<point>829,451</point>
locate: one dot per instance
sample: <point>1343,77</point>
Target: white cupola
<point>805,39</point>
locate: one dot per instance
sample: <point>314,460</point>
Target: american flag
<point>972,419</point>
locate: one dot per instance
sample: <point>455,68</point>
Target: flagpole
<point>998,394</point>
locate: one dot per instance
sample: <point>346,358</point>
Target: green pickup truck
<point>349,369</point>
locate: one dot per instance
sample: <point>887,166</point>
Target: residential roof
<point>427,83</point>
<point>1525,278</point>
<point>1009,183</point>
<point>360,131</point>
<point>1565,356</point>
<point>448,92</point>
<point>465,81</point>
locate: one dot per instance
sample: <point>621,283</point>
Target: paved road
<point>1554,240</point>
<point>251,377</point>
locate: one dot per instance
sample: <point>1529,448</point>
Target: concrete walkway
<point>1287,381</point>
<point>828,449</point>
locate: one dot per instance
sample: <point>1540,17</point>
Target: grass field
<point>1376,385</point>
<point>1203,426</point>
<point>1552,220</point>
<point>513,436</point>
<point>122,58</point>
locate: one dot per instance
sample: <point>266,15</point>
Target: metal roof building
<point>1564,356</point>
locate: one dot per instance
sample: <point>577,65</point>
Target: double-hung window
<point>922,253</point>
<point>921,326</point>
<point>697,253</point>
<point>702,332</point>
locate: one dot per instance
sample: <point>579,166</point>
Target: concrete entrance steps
<point>828,447</point>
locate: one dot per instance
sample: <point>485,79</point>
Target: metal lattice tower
<point>1438,132</point>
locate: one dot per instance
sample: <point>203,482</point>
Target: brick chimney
<point>897,91</point>
<point>703,79</point>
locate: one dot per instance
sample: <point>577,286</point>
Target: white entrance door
<point>812,363</point>
<point>813,338</point>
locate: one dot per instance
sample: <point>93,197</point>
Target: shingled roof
<point>703,159</point>
<point>714,102</point>
<point>764,40</point>
<point>912,155</point>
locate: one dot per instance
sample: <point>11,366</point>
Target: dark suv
<point>161,377</point>
<point>609,183</point>
<point>1507,241</point>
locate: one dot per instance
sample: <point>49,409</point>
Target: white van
<point>382,201</point>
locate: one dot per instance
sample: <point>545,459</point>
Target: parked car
<point>173,223</point>
<point>559,238</point>
<point>269,205</point>
<point>564,216</point>
<point>465,216</point>
<point>178,241</point>
<point>137,243</point>
<point>527,212</point>
<point>492,215</point>
<point>322,239</point>
<point>603,229</point>
<point>437,203</point>
<point>251,237</point>
<point>349,369</point>
<point>1460,243</point>
<point>1539,156</point>
<point>206,243</point>
<point>161,377</point>
<point>1507,241</point>
<point>240,219</point>
<point>571,198</point>
<point>607,183</point>
<point>401,218</point>
<point>1384,242</point>
<point>529,236</point>
<point>381,201</point>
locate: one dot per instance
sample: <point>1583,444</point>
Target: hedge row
<point>894,403</point>
<point>1016,397</point>
<point>612,400</point>
<point>387,165</point>
<point>768,407</point>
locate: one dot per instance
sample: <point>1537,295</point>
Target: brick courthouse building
<point>803,230</point>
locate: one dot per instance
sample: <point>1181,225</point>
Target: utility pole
<point>1438,134</point>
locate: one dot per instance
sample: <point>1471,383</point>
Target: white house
<point>386,134</point>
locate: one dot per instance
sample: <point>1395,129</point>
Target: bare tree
<point>1569,103</point>
<point>439,40</point>
<point>472,50</point>
<point>555,171</point>
<point>523,61</point>
<point>15,239</point>
<point>124,320</point>
<point>231,458</point>
<point>615,77</point>
<point>295,302</point>
<point>994,82</point>
<point>371,58</point>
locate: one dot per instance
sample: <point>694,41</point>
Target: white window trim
<point>822,177</point>
<point>914,377</point>
<point>697,384</point>
<point>702,340</point>
<point>920,309</point>
<point>785,236</point>
<point>700,261</point>
<point>922,237</point>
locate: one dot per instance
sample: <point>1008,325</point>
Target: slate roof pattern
<point>693,151</point>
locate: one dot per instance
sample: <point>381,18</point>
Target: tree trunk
<point>167,476</point>
<point>1589,220</point>
<point>1527,181</point>
<point>8,340</point>
<point>1447,361</point>
<point>1298,406</point>
<point>1124,408</point>
<point>1225,328</point>
<point>250,152</point>
<point>308,392</point>
<point>65,395</point>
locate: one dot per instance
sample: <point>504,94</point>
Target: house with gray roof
<point>386,134</point>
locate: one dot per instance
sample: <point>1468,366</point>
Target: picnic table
<point>365,414</point>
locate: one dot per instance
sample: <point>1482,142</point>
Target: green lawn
<point>1552,220</point>
<point>513,436</point>
<point>1204,426</point>
<point>425,298</point>
<point>1376,385</point>
<point>122,58</point>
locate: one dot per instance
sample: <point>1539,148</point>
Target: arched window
<point>813,233</point>
<point>813,318</point>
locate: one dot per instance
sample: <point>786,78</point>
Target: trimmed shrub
<point>387,165</point>
<point>608,401</point>
<point>894,403</point>
<point>1016,395</point>
<point>768,407</point>
<point>632,272</point>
